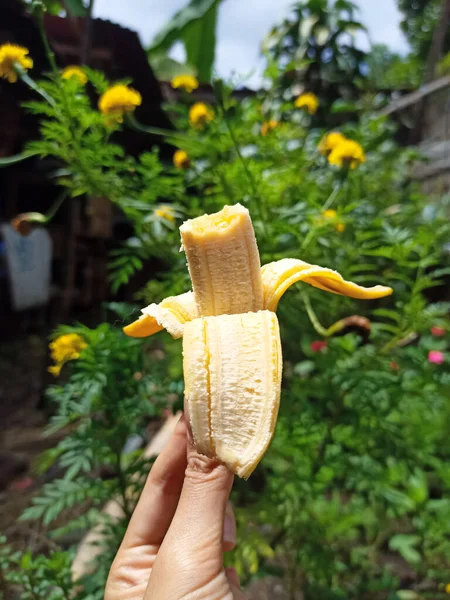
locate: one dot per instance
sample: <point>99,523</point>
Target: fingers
<point>229,529</point>
<point>233,577</point>
<point>158,502</point>
<point>200,516</point>
<point>190,560</point>
<point>235,584</point>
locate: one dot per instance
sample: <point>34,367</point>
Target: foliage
<point>76,8</point>
<point>78,136</point>
<point>418,24</point>
<point>356,481</point>
<point>114,388</point>
<point>195,26</point>
<point>38,577</point>
<point>315,49</point>
<point>390,71</point>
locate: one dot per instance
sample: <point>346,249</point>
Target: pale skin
<point>183,523</point>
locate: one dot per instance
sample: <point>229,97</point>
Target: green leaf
<point>404,545</point>
<point>200,43</point>
<point>340,106</point>
<point>306,27</point>
<point>175,29</point>
<point>76,8</point>
<point>167,68</point>
<point>321,34</point>
<point>25,561</point>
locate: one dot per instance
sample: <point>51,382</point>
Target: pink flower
<point>436,357</point>
<point>21,485</point>
<point>318,345</point>
<point>438,331</point>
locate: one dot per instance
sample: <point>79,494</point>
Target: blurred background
<point>330,121</point>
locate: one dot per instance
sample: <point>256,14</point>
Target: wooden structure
<point>85,229</point>
<point>425,118</point>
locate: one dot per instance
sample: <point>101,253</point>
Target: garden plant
<point>352,500</point>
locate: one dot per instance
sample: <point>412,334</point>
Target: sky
<point>242,25</point>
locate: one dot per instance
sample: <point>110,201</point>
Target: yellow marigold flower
<point>186,82</point>
<point>64,348</point>
<point>118,100</point>
<point>55,370</point>
<point>74,71</point>
<point>268,126</point>
<point>165,212</point>
<point>67,347</point>
<point>309,101</point>
<point>200,114</point>
<point>11,55</point>
<point>447,588</point>
<point>330,141</point>
<point>348,154</point>
<point>181,159</point>
<point>331,215</point>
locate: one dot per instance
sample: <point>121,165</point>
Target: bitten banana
<point>231,342</point>
<point>223,262</point>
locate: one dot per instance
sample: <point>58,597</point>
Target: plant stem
<point>330,200</point>
<point>16,158</point>
<point>225,185</point>
<point>312,315</point>
<point>332,197</point>
<point>253,186</point>
<point>54,209</point>
<point>134,124</point>
<point>48,51</point>
<point>33,85</point>
<point>86,43</point>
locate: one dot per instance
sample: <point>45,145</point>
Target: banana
<point>171,314</point>
<point>223,262</point>
<point>232,366</point>
<point>231,342</point>
<point>278,276</point>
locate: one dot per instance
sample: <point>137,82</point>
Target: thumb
<point>190,559</point>
<point>203,501</point>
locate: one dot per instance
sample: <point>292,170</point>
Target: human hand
<point>173,547</point>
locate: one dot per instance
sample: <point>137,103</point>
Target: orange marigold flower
<point>269,126</point>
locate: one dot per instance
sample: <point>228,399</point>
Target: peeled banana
<point>231,341</point>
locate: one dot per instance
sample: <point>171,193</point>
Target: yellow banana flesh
<point>171,314</point>
<point>223,261</point>
<point>232,366</point>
